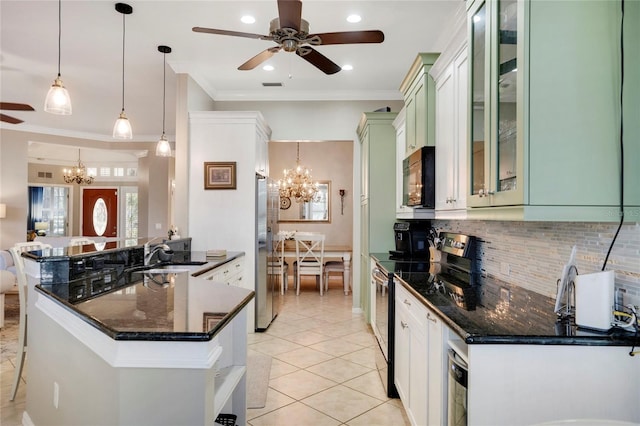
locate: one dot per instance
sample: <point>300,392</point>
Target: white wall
<point>13,187</point>
<point>329,160</point>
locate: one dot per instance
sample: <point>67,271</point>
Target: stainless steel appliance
<point>382,314</point>
<point>457,390</point>
<point>267,300</point>
<point>419,178</point>
<point>453,277</point>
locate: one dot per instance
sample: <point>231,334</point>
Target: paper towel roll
<point>594,300</point>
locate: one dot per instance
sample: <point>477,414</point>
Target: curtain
<point>36,197</point>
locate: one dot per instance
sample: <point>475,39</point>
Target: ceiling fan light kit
<point>122,128</point>
<point>58,100</point>
<point>163,149</point>
<point>291,33</point>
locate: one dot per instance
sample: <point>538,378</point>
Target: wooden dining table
<point>330,252</point>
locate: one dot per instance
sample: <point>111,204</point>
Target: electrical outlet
<point>631,299</point>
<point>56,394</point>
<point>505,268</point>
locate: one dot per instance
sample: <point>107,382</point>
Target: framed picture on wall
<point>220,175</point>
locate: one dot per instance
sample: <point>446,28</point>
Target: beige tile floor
<point>323,370</point>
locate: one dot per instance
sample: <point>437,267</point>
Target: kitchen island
<point>524,365</point>
<point>142,346</point>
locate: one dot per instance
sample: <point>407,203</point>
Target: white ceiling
<point>91,56</point>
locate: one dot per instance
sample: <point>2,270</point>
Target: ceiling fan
<point>291,33</point>
<point>11,106</point>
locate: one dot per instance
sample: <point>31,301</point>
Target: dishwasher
<point>457,385</point>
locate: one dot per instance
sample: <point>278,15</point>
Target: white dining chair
<point>333,267</point>
<point>309,258</point>
<point>16,252</point>
<point>80,241</point>
<point>278,263</point>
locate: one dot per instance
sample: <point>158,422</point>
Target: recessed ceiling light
<point>354,18</point>
<point>268,68</point>
<point>347,67</point>
<point>248,19</point>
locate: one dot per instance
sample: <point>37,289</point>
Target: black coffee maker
<point>412,239</point>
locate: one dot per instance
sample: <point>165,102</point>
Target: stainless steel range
<point>453,277</point>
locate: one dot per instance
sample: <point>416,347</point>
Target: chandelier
<point>77,174</point>
<point>297,183</point>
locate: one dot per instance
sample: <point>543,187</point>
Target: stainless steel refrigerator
<point>267,296</point>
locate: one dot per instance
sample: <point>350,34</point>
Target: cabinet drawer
<point>229,273</point>
<point>412,306</point>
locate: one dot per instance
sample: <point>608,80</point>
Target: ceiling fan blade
<point>15,107</point>
<point>229,33</point>
<point>259,58</point>
<point>318,60</point>
<point>9,119</point>
<point>350,37</point>
<point>290,13</point>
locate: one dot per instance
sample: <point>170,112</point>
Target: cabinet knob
<point>431,318</point>
<point>406,302</point>
<point>404,324</point>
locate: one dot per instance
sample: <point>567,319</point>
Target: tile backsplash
<point>531,255</point>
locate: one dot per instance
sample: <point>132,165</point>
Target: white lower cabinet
<point>419,360</point>
<point>229,273</point>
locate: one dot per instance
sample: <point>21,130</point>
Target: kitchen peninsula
<point>149,345</point>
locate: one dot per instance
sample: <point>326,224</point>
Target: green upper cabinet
<point>419,90</point>
<point>544,102</point>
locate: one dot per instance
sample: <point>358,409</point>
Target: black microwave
<point>419,178</point>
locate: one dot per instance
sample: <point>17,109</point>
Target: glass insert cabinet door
<point>495,106</point>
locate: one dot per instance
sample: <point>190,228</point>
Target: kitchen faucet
<point>148,252</point>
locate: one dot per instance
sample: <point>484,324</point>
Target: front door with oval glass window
<point>100,212</point>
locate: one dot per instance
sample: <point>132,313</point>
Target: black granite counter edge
<point>181,337</point>
<point>600,339</point>
<point>150,336</point>
<point>613,338</point>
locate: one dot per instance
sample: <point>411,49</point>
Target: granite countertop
<point>523,317</point>
<point>138,303</point>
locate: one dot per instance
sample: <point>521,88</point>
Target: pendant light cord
<point>59,33</point>
<point>164,88</point>
<point>123,38</point>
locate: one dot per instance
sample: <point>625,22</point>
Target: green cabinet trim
<point>418,89</point>
<point>567,112</point>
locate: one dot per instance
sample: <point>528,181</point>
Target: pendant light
<point>163,149</point>
<point>122,128</point>
<point>58,100</point>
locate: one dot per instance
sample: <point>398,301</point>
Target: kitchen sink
<point>169,269</point>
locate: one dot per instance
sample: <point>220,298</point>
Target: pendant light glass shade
<point>58,100</point>
<point>163,149</point>
<point>122,128</point>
